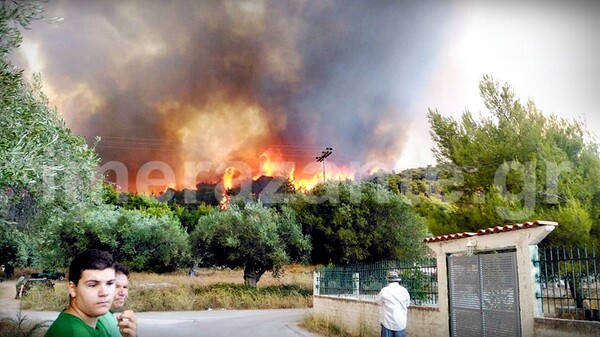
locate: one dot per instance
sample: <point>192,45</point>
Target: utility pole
<point>324,154</point>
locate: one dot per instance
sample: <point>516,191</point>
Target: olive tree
<point>250,236</point>
<point>143,241</point>
<point>44,168</point>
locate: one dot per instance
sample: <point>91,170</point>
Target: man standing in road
<point>394,300</point>
<point>20,283</point>
<point>91,292</point>
<point>120,324</point>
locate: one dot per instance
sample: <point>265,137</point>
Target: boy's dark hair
<point>90,259</point>
<point>122,269</point>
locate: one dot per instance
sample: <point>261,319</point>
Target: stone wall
<point>359,315</point>
<point>554,327</point>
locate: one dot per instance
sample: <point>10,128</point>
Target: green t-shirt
<point>109,321</point>
<point>67,325</point>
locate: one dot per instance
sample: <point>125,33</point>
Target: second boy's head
<point>122,286</point>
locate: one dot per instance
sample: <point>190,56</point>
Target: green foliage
<point>44,168</point>
<point>359,222</point>
<point>110,196</point>
<point>141,240</point>
<point>188,217</point>
<point>254,237</point>
<point>574,225</point>
<point>39,156</point>
<point>13,244</point>
<point>144,203</point>
<point>16,15</point>
<point>419,285</point>
<point>515,164</point>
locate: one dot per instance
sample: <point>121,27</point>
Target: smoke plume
<point>218,81</point>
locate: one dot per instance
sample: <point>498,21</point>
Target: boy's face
<point>121,292</point>
<point>94,293</point>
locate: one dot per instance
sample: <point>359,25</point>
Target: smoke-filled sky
<point>215,81</point>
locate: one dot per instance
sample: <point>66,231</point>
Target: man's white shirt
<point>394,300</point>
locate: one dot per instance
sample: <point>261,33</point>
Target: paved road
<point>224,323</point>
<point>214,323</point>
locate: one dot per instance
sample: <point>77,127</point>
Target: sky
<point>190,83</point>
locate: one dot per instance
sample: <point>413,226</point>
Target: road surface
<point>214,323</point>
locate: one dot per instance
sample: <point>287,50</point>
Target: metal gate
<point>484,295</point>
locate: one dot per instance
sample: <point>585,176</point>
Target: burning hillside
<point>239,179</point>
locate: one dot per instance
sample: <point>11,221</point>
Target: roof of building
<point>490,230</point>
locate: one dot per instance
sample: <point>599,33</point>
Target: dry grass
<point>210,289</point>
<point>41,298</point>
<point>329,328</point>
<point>293,274</point>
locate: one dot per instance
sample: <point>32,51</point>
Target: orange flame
<point>228,176</point>
<point>374,170</point>
<point>271,164</point>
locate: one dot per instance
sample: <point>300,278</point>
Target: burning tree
<point>251,236</point>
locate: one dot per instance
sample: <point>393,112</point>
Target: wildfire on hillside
<point>272,166</point>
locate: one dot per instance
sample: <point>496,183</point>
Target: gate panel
<point>499,295</point>
<point>465,296</point>
<point>483,297</point>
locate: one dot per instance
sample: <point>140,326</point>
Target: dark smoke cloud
<point>195,80</point>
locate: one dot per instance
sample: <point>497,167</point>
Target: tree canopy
<point>517,164</point>
<point>52,205</point>
<point>351,222</point>
<point>142,240</point>
<point>43,166</point>
<point>251,236</point>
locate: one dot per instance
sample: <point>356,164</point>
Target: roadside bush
<point>20,326</point>
<point>139,239</point>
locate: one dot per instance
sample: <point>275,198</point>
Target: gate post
<point>356,285</point>
<point>537,287</point>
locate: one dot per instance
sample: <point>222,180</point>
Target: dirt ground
<point>8,304</point>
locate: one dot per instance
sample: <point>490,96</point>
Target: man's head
<point>392,276</point>
<point>91,283</point>
<point>122,286</point>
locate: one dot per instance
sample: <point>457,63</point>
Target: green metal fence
<point>364,281</point>
<point>569,282</point>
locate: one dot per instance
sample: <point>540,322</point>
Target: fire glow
<point>227,178</point>
<point>277,168</point>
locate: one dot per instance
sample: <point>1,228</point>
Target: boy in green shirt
<point>91,292</point>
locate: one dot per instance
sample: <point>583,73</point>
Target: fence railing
<point>569,282</point>
<point>364,281</point>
